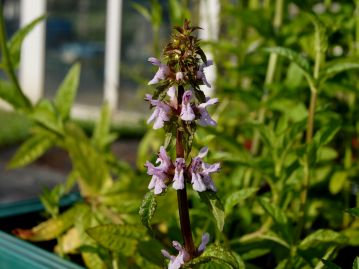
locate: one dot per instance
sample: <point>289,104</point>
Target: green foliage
<point>15,42</point>
<point>148,209</point>
<point>215,206</point>
<point>216,253</point>
<point>67,91</point>
<point>118,238</point>
<point>31,149</point>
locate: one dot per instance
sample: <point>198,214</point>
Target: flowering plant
<point>179,105</point>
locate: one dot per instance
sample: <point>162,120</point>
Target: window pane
<point>75,31</point>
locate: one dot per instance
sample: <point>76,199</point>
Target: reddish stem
<point>182,194</point>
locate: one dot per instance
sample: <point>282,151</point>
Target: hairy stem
<point>182,194</point>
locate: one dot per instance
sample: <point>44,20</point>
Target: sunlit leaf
<point>118,238</point>
<point>148,208</point>
<point>215,206</point>
<point>53,227</point>
<point>16,41</point>
<point>31,149</point>
<point>322,236</point>
<point>101,135</point>
<point>337,181</point>
<point>67,91</point>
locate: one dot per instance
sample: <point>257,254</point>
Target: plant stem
<point>182,194</point>
<point>6,61</point>
<point>272,64</point>
<point>309,138</point>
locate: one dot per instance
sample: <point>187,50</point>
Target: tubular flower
<point>205,119</point>
<point>171,92</point>
<point>160,114</point>
<point>178,179</point>
<point>162,73</point>
<point>200,172</point>
<point>159,173</point>
<point>187,113</point>
<point>201,75</point>
<point>177,261</point>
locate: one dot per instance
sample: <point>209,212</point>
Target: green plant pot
<point>18,254</point>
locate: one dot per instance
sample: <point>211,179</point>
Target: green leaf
<point>335,67</point>
<point>53,227</point>
<point>215,253</point>
<point>279,218</point>
<point>142,10</point>
<point>330,265</point>
<point>337,181</point>
<point>101,136</point>
<point>31,149</point>
<point>10,94</point>
<point>322,236</point>
<point>326,134</point>
<point>67,91</point>
<point>15,42</point>
<point>118,238</point>
<point>356,263</point>
<point>148,208</point>
<point>237,197</point>
<point>275,212</point>
<point>215,206</point>
<point>293,56</point>
<point>353,211</point>
<point>46,115</point>
<point>87,161</point>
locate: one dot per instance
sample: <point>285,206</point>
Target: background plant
<point>106,184</point>
<point>287,132</point>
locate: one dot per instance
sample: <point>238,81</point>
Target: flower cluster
<point>179,105</point>
<point>197,172</point>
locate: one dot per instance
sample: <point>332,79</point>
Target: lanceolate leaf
<point>215,206</point>
<point>46,115</point>
<point>101,136</point>
<point>322,236</point>
<point>31,149</point>
<point>218,254</point>
<point>118,238</point>
<point>237,197</point>
<point>292,56</point>
<point>53,227</point>
<point>67,91</point>
<point>148,208</point>
<point>335,67</point>
<point>87,161</point>
<point>16,41</point>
